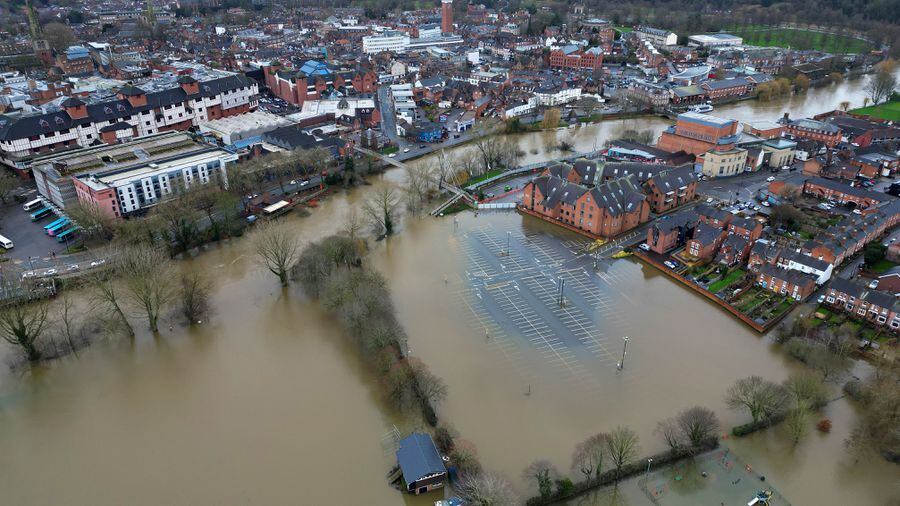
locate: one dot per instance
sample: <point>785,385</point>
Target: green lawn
<point>799,39</point>
<point>888,110</point>
<point>882,266</point>
<point>495,172</point>
<point>623,29</point>
<point>726,281</point>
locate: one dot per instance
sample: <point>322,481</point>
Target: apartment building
<point>133,114</point>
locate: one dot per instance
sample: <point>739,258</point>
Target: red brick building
<point>843,193</point>
<point>606,210</point>
<point>576,59</point>
<point>814,130</point>
<point>698,133</point>
<point>794,284</point>
<point>668,234</point>
<point>671,188</point>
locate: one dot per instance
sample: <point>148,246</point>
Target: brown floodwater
<point>266,403</point>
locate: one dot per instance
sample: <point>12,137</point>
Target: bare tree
<point>588,456</point>
<point>762,398</point>
<point>806,388</point>
<point>668,429</point>
<point>353,224</point>
<point>22,325</point>
<point>797,421</point>
<point>697,424</point>
<point>106,295</point>
<point>543,473</point>
<point>430,388</point>
<point>881,86</point>
<point>487,489</point>
<point>94,222</point>
<point>278,247</point>
<point>148,281</point>
<point>831,365</point>
<point>381,209</point>
<point>68,322</point>
<point>59,36</point>
<point>465,459</point>
<point>195,288</point>
<point>421,181</point>
<point>8,183</point>
<point>622,447</point>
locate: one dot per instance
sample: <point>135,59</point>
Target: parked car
<point>644,246</point>
<point>709,200</point>
<point>770,179</point>
<point>304,182</point>
<point>27,274</point>
<point>250,219</point>
<point>821,298</point>
<point>857,211</point>
<point>874,284</point>
<point>507,188</point>
<point>73,268</point>
<point>50,272</point>
<point>670,264</point>
<point>765,203</point>
<point>406,150</point>
<point>98,263</point>
<point>392,155</point>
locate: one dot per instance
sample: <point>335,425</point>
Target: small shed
<point>420,464</point>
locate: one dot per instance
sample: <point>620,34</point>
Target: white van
<point>6,243</point>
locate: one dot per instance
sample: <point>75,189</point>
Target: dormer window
<point>107,110</point>
<point>44,123</point>
<point>58,120</point>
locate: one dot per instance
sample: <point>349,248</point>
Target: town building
<point>794,284</point>
<point>656,36</point>
<point>669,189</point>
<point>858,300</point>
<point>576,58</point>
<point>715,40</point>
<point>421,466</point>
<point>141,184</point>
<point>697,133</point>
<point>668,234</point>
<point>815,130</point>
<point>606,210</point>
<point>134,113</point>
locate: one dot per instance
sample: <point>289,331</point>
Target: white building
<point>134,113</point>
<point>391,41</point>
<point>142,185</point>
<point>657,37</point>
<point>715,40</point>
<point>556,95</point>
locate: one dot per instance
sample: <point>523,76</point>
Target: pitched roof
<point>418,457</point>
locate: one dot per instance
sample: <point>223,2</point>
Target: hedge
<point>634,468</point>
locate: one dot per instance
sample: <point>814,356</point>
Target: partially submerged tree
<point>277,247</point>
<point>588,456</point>
<point>22,325</point>
<point>148,281</point>
<point>381,209</point>
<point>881,86</point>
<point>622,447</point>
<point>107,295</point>
<point>543,473</point>
<point>697,425</point>
<point>194,294</point>
<point>761,398</point>
<point>486,489</point>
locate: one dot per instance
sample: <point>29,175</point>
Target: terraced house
<point>857,299</point>
<point>132,114</point>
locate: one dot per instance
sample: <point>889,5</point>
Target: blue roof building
<point>420,463</point>
<point>315,68</point>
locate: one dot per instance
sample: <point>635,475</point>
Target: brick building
<point>698,133</point>
<point>575,58</point>
<point>794,284</point>
<point>858,300</point>
<point>811,129</point>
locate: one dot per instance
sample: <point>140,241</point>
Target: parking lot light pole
<point>624,347</point>
<point>649,461</point>
<point>507,242</point>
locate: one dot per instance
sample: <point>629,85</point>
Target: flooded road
<point>268,404</point>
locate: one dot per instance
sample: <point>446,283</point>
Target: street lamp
<point>624,347</point>
<point>649,461</point>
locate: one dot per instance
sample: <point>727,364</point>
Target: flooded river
<point>267,403</point>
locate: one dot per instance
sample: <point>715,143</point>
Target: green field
<point>799,39</point>
<point>888,110</point>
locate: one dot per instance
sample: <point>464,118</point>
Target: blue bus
<point>58,228</point>
<point>54,223</point>
<point>66,235</point>
<point>40,213</point>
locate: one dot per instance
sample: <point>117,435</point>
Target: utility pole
<point>507,242</point>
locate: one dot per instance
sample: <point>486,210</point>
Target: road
<point>388,119</point>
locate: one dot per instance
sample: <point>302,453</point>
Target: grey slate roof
<point>418,457</point>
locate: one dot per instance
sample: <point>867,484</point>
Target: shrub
<point>799,349</point>
<point>824,425</point>
<point>564,487</point>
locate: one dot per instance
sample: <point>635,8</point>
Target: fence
<point>497,205</point>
